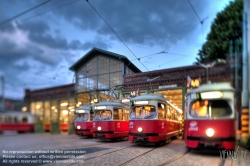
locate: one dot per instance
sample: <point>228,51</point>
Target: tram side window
<point>161,111</point>
<point>24,119</point>
<point>117,114</point>
<point>15,119</point>
<point>8,119</point>
<point>126,115</point>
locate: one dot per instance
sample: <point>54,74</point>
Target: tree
<point>227,26</point>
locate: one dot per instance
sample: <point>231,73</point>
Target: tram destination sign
<point>168,86</point>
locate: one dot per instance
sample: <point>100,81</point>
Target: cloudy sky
<point>38,47</point>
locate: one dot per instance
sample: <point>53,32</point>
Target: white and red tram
<point>153,119</point>
<point>209,119</point>
<point>84,121</point>
<point>16,121</point>
<point>111,120</point>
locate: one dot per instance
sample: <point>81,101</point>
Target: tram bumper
<point>145,137</point>
<point>217,142</point>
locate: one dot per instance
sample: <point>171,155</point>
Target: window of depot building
<point>173,95</point>
<point>54,111</point>
<point>107,95</point>
<point>37,110</point>
<point>64,112</point>
<point>83,98</point>
<point>47,111</point>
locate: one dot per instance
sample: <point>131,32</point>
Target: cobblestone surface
<point>121,153</point>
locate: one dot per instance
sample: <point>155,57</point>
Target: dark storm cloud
<point>141,22</point>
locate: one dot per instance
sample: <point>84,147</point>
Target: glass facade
<point>99,73</point>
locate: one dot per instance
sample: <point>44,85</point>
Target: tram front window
<point>210,109</point>
<point>103,115</point>
<point>143,112</point>
<point>82,117</point>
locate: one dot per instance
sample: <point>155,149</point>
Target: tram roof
<point>222,86</point>
<point>112,103</point>
<point>150,96</point>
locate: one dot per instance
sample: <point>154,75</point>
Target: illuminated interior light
<point>125,100</point>
<point>100,107</point>
<point>81,111</point>
<point>72,110</point>
<point>211,95</point>
<point>38,106</point>
<point>53,107</point>
<point>140,129</point>
<point>141,102</point>
<point>78,127</point>
<point>64,104</point>
<point>99,128</point>
<point>210,132</point>
<point>65,112</point>
<point>24,109</point>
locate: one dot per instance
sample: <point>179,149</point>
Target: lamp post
<point>208,66</point>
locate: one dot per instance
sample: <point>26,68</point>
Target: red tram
<point>111,120</point>
<point>153,119</point>
<point>16,121</point>
<point>84,121</point>
<point>210,117</point>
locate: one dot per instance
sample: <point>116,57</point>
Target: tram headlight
<point>99,128</point>
<point>78,127</point>
<point>139,129</point>
<point>210,132</point>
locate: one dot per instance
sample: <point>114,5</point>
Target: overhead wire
<point>22,13</point>
<point>115,33</point>
<point>58,7</point>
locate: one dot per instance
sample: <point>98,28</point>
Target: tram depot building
<point>102,75</point>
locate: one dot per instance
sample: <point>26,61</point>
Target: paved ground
<point>62,149</point>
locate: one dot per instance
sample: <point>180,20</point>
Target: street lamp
<point>208,66</point>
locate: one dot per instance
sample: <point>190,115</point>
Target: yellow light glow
<point>38,106</point>
<point>140,129</point>
<point>24,109</point>
<point>53,107</point>
<point>65,112</point>
<point>64,104</point>
<point>210,132</point>
<point>141,102</point>
<point>211,95</point>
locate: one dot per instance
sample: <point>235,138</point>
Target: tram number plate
<point>140,139</point>
<point>209,144</point>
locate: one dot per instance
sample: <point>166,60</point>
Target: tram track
<point>175,158</point>
<point>109,152</point>
<point>127,162</point>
